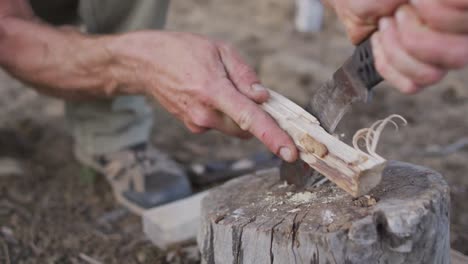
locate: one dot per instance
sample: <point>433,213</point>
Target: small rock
<point>6,231</point>
<point>10,167</point>
<point>327,217</point>
<point>283,185</point>
<point>365,201</point>
<point>141,257</point>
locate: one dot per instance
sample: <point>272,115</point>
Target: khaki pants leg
<point>109,125</point>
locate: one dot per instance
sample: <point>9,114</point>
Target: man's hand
<point>415,45</point>
<point>421,42</point>
<point>205,84</point>
<point>360,17</point>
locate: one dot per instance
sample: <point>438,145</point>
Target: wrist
<point>116,78</point>
<point>130,68</point>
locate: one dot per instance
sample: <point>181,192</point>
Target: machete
<point>352,82</point>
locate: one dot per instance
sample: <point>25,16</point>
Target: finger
<point>358,33</point>
<point>194,128</point>
<point>436,48</point>
<point>375,9</point>
<point>420,73</point>
<point>229,127</point>
<point>242,75</point>
<point>441,16</point>
<point>361,16</point>
<point>204,117</point>
<point>387,71</point>
<point>250,117</point>
<point>456,3</point>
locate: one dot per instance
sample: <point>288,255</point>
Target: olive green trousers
<point>106,126</point>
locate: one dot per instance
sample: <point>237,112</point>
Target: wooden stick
<point>352,170</point>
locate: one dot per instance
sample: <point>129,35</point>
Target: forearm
<point>59,61</point>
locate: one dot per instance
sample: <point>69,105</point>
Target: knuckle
<point>243,69</point>
<point>195,129</point>
<point>202,119</point>
<point>410,88</point>
<point>459,58</point>
<point>246,73</point>
<point>204,94</point>
<point>225,46</point>
<point>381,66</point>
<point>428,77</point>
<point>198,130</point>
<point>424,8</point>
<point>409,43</point>
<point>245,120</point>
<point>270,141</point>
<point>392,58</point>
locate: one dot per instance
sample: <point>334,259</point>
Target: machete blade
<point>334,99</point>
<point>350,83</point>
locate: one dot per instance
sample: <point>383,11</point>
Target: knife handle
<point>363,62</point>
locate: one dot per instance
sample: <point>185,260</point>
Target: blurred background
<point>52,209</point>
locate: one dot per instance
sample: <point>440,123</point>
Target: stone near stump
<point>259,219</point>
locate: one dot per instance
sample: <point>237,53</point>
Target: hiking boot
<point>141,176</point>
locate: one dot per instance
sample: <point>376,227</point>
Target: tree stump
<point>259,219</point>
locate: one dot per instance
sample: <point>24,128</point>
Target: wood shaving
<point>370,136</point>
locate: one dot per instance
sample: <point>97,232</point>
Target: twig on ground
<point>17,208</point>
<point>130,246</point>
<point>37,250</point>
<point>321,182</point>
<point>449,149</point>
<point>113,216</point>
<point>89,259</point>
<point>7,253</point>
<point>105,236</point>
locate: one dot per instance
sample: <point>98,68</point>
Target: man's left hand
<point>421,42</point>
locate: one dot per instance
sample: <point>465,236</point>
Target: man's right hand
<point>204,83</point>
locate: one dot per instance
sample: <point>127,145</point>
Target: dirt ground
<point>56,211</point>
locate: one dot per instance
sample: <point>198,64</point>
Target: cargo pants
<point>105,126</point>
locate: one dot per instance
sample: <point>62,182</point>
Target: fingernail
<point>285,153</point>
<point>414,2</point>
<point>384,23</point>
<point>258,88</point>
<point>400,15</point>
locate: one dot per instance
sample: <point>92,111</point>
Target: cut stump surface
<point>259,219</point>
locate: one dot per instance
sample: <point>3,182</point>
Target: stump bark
<point>259,219</point>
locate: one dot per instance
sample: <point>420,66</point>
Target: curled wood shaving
<point>370,136</point>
